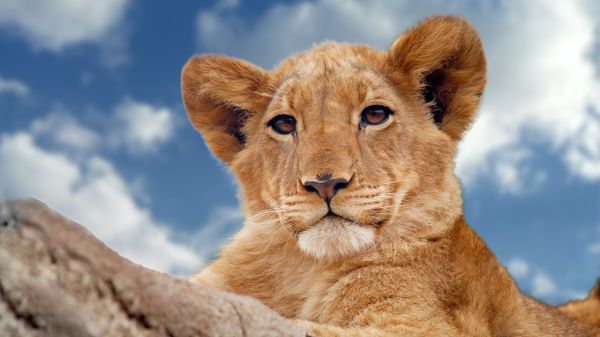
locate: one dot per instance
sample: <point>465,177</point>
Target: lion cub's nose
<point>326,189</point>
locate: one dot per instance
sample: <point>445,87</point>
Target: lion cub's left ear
<point>220,94</point>
<point>443,57</point>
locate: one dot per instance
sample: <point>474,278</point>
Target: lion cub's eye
<point>375,115</point>
<point>283,124</point>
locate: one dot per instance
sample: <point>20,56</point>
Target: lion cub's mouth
<point>334,217</point>
<point>334,237</point>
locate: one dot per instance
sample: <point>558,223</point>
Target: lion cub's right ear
<point>220,94</point>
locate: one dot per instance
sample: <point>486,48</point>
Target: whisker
<point>263,94</point>
<point>391,182</point>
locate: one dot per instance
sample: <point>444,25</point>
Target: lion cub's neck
<point>269,265</point>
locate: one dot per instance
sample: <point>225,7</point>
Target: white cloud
<point>584,151</point>
<point>537,282</point>
<point>227,4</point>
<point>518,267</point>
<point>56,24</point>
<point>514,173</point>
<point>223,223</point>
<point>543,285</point>
<point>12,86</point>
<point>594,248</point>
<point>142,127</point>
<point>542,84</point>
<point>139,127</point>
<point>66,131</point>
<point>542,88</point>
<point>288,28</point>
<point>74,180</point>
<point>91,192</point>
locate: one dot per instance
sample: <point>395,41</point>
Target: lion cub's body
<point>382,248</point>
<point>449,286</point>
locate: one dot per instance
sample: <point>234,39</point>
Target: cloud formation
<point>539,283</point>
<point>57,24</point>
<point>594,248</point>
<point>542,84</point>
<point>58,160</point>
<point>518,267</point>
<point>543,285</point>
<point>64,130</point>
<point>142,127</point>
<point>92,193</point>
<point>12,86</point>
<point>75,180</point>
<point>222,224</point>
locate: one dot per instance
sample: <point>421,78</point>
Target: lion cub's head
<point>343,147</point>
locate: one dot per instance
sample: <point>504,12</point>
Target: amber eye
<point>283,124</point>
<point>375,115</point>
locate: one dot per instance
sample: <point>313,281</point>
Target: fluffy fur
<point>587,310</point>
<point>397,258</point>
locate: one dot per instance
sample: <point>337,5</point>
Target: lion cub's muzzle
<point>333,236</point>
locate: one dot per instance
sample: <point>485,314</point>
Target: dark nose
<point>326,189</point>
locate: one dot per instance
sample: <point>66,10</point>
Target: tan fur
<point>586,310</point>
<point>398,260</point>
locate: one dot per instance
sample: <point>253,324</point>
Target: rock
<point>57,279</point>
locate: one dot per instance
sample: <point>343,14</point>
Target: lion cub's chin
<point>334,237</point>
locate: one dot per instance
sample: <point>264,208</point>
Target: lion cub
<point>354,220</point>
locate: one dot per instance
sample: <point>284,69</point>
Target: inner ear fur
<point>443,58</point>
<point>219,95</point>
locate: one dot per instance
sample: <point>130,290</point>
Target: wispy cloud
<point>222,224</point>
<point>63,129</point>
<point>514,172</point>
<point>543,87</point>
<point>93,193</point>
<point>12,86</point>
<point>518,267</point>
<point>142,127</point>
<point>58,160</point>
<point>539,283</point>
<point>594,248</point>
<point>543,285</point>
<point>55,25</point>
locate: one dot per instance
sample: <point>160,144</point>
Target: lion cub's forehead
<point>330,58</point>
<point>331,74</point>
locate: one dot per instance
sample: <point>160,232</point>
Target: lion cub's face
<point>338,149</point>
<point>343,146</point>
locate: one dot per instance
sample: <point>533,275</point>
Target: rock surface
<point>56,279</point>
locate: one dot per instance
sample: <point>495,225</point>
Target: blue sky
<point>91,121</point>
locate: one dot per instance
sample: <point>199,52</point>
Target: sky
<point>92,123</point>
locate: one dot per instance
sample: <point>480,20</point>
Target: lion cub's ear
<point>220,94</point>
<point>443,57</point>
